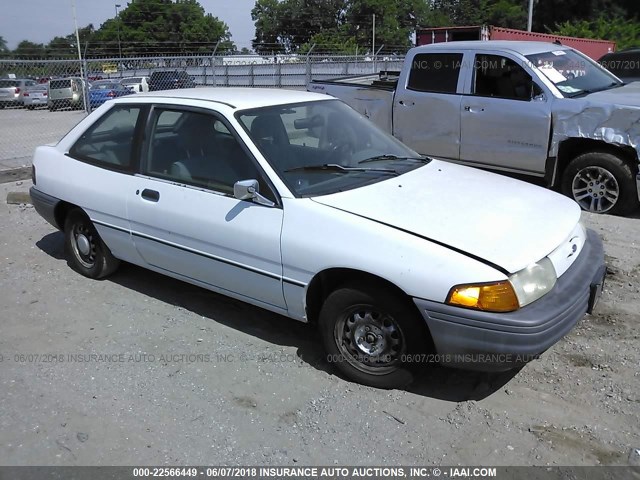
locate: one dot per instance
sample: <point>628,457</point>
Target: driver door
<point>185,219</point>
<point>506,120</point>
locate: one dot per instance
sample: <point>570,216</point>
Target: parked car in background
<point>624,64</point>
<point>255,194</point>
<point>66,92</point>
<point>12,91</point>
<point>105,90</point>
<point>36,96</point>
<point>136,84</point>
<point>170,79</point>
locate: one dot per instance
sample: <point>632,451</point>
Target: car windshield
<point>323,147</point>
<point>572,73</point>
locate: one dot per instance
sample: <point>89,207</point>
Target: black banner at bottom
<point>329,473</point>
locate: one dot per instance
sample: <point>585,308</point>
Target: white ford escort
<point>294,202</point>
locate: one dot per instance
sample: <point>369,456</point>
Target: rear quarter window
<point>109,142</point>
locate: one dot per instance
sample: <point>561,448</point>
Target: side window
<point>496,76</point>
<point>435,72</point>
<point>109,141</point>
<point>198,149</point>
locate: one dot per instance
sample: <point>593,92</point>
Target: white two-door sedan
<point>294,202</point>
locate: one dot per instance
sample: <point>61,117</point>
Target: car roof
<point>521,47</point>
<point>238,97</point>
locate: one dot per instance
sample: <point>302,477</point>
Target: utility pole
<point>118,27</point>
<point>530,21</point>
<point>373,35</point>
<point>82,70</point>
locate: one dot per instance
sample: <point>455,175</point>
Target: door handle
<point>469,108</point>
<point>406,104</point>
<point>151,195</point>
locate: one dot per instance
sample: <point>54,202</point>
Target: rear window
<point>435,72</point>
<point>8,83</point>
<point>162,75</point>
<point>60,84</point>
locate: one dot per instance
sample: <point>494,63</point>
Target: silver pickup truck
<point>531,108</point>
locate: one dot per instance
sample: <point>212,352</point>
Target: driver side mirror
<point>250,190</point>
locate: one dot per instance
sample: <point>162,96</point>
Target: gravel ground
<point>190,377</point>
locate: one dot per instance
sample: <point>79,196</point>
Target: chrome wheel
<point>369,340</point>
<point>595,189</point>
<point>84,245</point>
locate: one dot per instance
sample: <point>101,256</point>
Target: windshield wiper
<point>334,167</point>
<point>588,92</point>
<point>381,158</point>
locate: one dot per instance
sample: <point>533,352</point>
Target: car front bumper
<point>486,341</point>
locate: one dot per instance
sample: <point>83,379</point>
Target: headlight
<point>521,289</point>
<point>534,281</point>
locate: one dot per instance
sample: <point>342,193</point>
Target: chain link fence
<point>26,122</point>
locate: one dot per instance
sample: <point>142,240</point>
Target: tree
<point>27,49</point>
<point>625,32</point>
<point>3,45</point>
<point>295,25</point>
<point>162,27</point>
<point>502,13</point>
<point>265,14</point>
<point>395,20</point>
<point>60,47</point>
<point>549,13</point>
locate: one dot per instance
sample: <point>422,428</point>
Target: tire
<point>601,182</point>
<point>86,252</point>
<point>364,312</point>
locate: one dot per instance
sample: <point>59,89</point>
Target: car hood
<point>628,95</point>
<point>505,222</point>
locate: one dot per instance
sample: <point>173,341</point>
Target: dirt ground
<point>183,376</point>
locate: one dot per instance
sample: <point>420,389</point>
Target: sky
<point>41,20</point>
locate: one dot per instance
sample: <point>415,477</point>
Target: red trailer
<point>590,47</point>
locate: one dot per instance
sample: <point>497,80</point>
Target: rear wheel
<point>601,182</point>
<point>368,332</point>
<point>86,252</point>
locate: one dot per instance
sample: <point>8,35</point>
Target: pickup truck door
<point>505,118</point>
<point>426,107</point>
<point>184,218</point>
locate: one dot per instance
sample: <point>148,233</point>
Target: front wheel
<point>368,333</point>
<point>86,252</point>
<point>601,182</point>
